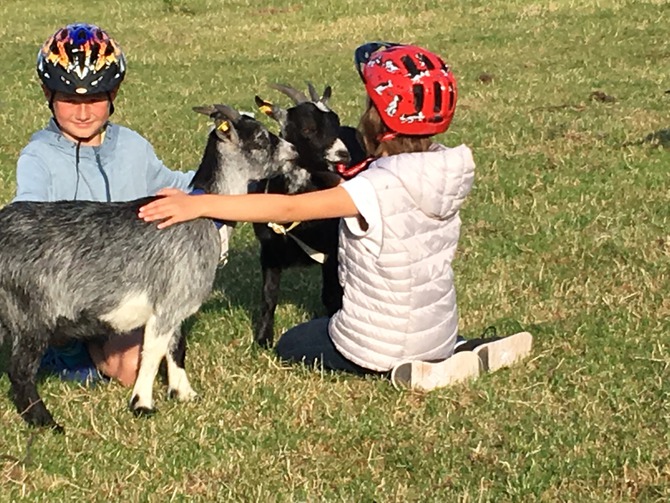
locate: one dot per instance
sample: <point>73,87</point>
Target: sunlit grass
<point>566,234</point>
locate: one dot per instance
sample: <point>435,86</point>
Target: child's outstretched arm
<point>178,206</point>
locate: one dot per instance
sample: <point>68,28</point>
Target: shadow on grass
<point>657,138</point>
<point>240,281</point>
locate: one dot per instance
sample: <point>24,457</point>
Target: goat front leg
<point>27,352</point>
<point>269,297</point>
<point>178,385</point>
<point>331,290</point>
<point>154,349</point>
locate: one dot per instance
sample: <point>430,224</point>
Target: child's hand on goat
<point>175,206</point>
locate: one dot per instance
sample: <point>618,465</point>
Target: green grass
<point>566,234</point>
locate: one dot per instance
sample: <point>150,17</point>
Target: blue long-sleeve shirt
<point>122,168</point>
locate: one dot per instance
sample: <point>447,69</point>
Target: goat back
<point>63,259</point>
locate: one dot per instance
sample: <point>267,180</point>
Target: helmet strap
<point>81,139</point>
<point>111,103</point>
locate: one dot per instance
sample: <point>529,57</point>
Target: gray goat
<point>77,269</point>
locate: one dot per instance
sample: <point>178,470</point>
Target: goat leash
<point>351,171</point>
<point>346,173</point>
<point>280,229</point>
<point>315,255</point>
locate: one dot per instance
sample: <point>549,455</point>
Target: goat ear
<point>264,106</point>
<point>271,110</point>
<point>327,92</point>
<point>224,129</point>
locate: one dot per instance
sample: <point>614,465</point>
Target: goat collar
<point>315,255</point>
<point>281,229</point>
<point>217,223</point>
<point>351,171</point>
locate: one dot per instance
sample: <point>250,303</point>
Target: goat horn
<point>312,92</point>
<point>229,112</point>
<point>207,110</point>
<point>297,96</point>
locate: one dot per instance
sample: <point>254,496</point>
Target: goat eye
<point>308,130</point>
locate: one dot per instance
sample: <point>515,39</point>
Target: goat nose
<point>293,152</point>
<point>287,151</point>
<point>344,155</point>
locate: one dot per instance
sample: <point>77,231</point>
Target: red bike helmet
<point>412,88</point>
<point>81,59</point>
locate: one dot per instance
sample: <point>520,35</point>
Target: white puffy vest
<point>402,304</point>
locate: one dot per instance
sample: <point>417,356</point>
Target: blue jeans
<point>309,343</point>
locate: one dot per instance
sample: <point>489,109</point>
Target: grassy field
<point>566,234</point>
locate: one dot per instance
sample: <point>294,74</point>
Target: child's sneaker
<point>505,351</point>
<point>426,376</point>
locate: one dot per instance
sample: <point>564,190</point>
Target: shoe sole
<point>505,352</point>
<point>426,376</point>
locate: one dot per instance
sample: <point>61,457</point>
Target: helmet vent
<point>437,91</point>
<point>82,35</point>
<point>417,90</point>
<point>410,66</point>
<point>426,61</point>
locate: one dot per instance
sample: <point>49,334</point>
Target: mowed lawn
<point>565,234</point>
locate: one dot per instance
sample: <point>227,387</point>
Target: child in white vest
<point>398,237</point>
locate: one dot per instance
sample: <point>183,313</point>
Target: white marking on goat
<point>133,311</point>
<point>287,153</point>
<point>178,381</point>
<point>335,152</point>
<point>224,234</point>
<point>154,349</point>
<point>322,106</point>
<point>297,179</point>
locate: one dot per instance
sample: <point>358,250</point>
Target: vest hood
<point>438,180</point>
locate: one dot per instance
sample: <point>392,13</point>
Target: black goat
<point>324,147</point>
<point>81,269</point>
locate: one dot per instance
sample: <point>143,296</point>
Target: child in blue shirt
<point>80,155</point>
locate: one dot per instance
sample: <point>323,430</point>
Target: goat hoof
<point>144,412</point>
<point>264,342</point>
<point>183,396</point>
<point>43,419</point>
<point>141,410</point>
<point>53,427</point>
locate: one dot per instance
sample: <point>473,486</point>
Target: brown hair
<point>372,128</point>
